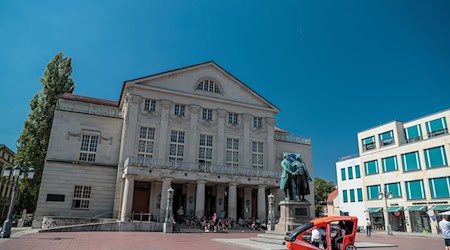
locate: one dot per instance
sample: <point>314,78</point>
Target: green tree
<point>33,142</point>
<point>322,188</point>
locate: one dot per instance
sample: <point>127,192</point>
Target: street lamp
<point>270,218</point>
<point>19,173</point>
<point>386,195</point>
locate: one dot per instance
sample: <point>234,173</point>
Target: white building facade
<point>197,129</point>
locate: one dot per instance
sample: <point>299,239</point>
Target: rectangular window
<point>394,188</point>
<point>386,138</point>
<point>257,122</point>
<point>350,173</point>
<point>81,196</point>
<point>372,192</point>
<point>205,150</point>
<point>176,151</point>
<point>352,195</point>
<point>359,193</point>
<point>257,155</point>
<point>232,154</point>
<point>413,133</point>
<point>56,197</point>
<point>357,172</point>
<point>343,176</point>
<point>146,142</point>
<point>207,114</point>
<point>345,196</point>
<point>411,161</point>
<point>149,105</point>
<point>368,143</point>
<point>233,118</point>
<point>371,167</point>
<point>88,148</point>
<point>415,190</point>
<point>179,109</point>
<point>389,164</point>
<point>435,157</point>
<point>440,187</point>
<point>437,127</point>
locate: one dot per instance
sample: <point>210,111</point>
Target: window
<point>372,192</point>
<point>81,196</point>
<point>233,118</point>
<point>88,148</point>
<point>146,142</point>
<point>344,196</point>
<point>205,150</point>
<point>176,152</point>
<point>232,157</point>
<point>357,172</point>
<point>413,133</point>
<point>207,114</point>
<point>395,189</point>
<point>179,109</point>
<point>343,177</point>
<point>257,122</point>
<point>415,190</point>
<point>386,138</point>
<point>209,86</point>
<point>411,161</point>
<point>437,127</point>
<point>352,195</point>
<point>371,167</point>
<point>149,105</point>
<point>389,164</point>
<point>257,155</point>
<point>359,193</point>
<point>435,157</point>
<point>350,173</point>
<point>368,143</point>
<point>56,197</point>
<point>440,187</point>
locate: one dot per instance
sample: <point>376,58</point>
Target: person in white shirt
<point>317,235</point>
<point>444,224</point>
<point>368,227</point>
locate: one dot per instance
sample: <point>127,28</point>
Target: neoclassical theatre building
<point>196,129</point>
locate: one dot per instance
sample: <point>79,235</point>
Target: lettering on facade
<point>301,211</point>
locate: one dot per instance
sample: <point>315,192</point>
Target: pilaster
<point>221,114</point>
<point>270,161</point>
<point>247,143</point>
<point>163,129</point>
<point>192,149</point>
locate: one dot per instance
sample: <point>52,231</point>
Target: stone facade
<point>197,129</point>
<point>6,183</point>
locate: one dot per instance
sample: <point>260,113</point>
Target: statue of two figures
<point>294,178</point>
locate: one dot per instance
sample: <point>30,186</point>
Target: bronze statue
<point>294,178</point>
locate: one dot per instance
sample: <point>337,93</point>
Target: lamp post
<point>168,220</point>
<point>271,199</point>
<point>386,195</point>
<point>19,173</point>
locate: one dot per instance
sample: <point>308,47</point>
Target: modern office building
<point>6,183</point>
<point>408,160</point>
<point>196,129</point>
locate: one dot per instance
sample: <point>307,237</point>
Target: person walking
<point>180,214</point>
<point>444,225</point>
<point>368,227</point>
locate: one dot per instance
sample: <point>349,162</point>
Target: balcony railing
<point>387,142</point>
<point>292,138</point>
<point>438,132</point>
<point>418,138</point>
<point>150,163</point>
<point>370,146</point>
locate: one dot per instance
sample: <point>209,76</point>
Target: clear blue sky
<point>333,67</point>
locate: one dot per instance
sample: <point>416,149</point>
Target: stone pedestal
<point>292,215</point>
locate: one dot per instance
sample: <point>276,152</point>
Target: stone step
<point>272,236</point>
<point>268,240</point>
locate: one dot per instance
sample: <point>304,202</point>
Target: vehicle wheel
<point>350,247</point>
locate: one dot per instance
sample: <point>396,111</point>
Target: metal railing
<point>196,167</point>
<point>438,132</point>
<point>141,216</point>
<point>292,138</point>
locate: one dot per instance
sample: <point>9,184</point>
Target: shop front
<point>397,219</point>
<point>419,219</point>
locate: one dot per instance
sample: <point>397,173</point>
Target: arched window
<point>209,86</point>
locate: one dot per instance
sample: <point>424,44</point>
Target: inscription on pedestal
<point>301,211</point>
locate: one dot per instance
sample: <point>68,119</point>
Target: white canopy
<point>445,213</point>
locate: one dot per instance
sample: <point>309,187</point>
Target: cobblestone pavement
<point>404,242</point>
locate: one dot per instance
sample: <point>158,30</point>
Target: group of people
<point>253,224</point>
<point>318,236</point>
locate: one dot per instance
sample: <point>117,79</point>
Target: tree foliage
<point>322,189</point>
<point>33,141</point>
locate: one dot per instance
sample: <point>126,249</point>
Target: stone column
<point>190,199</point>
<point>247,150</point>
<point>193,144</point>
<point>248,202</point>
<point>221,140</point>
<point>270,163</point>
<point>167,182</point>
<point>200,199</point>
<point>232,201</point>
<point>165,109</point>
<point>262,203</point>
<point>220,196</point>
<point>127,202</point>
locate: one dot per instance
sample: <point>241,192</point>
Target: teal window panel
<point>415,190</point>
<point>436,125</point>
<point>352,195</point>
<point>389,164</point>
<point>350,173</point>
<point>386,138</point>
<point>357,172</point>
<point>372,192</point>
<point>345,196</point>
<point>360,194</point>
<point>435,157</point>
<point>343,177</point>
<point>440,187</point>
<point>395,189</point>
<point>413,132</point>
<point>371,167</point>
<point>411,161</point>
<point>368,140</point>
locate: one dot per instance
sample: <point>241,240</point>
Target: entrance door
<point>141,201</point>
